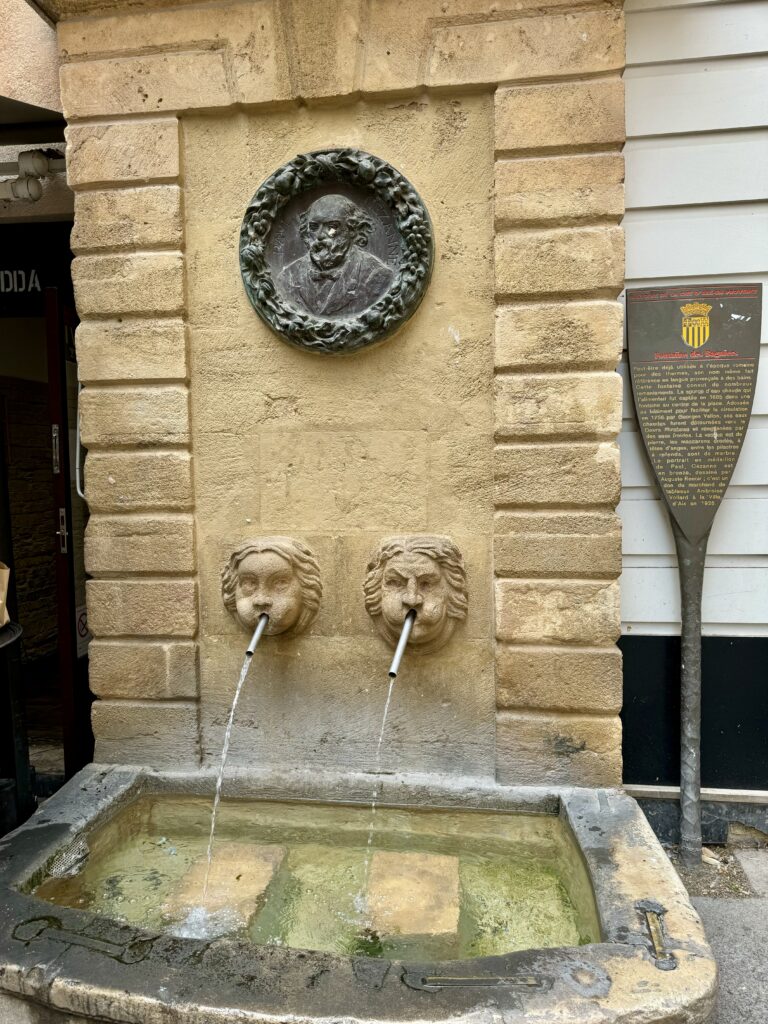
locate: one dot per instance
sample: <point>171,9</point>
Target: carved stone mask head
<point>330,227</point>
<point>424,573</point>
<point>276,575</point>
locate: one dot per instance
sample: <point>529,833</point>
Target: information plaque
<point>693,355</point>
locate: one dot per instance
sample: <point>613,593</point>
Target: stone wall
<point>175,116</point>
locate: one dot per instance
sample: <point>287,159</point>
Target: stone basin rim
<point>111,972</point>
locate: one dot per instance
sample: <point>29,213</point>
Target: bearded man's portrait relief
<point>423,573</point>
<point>337,276</point>
<point>276,576</point>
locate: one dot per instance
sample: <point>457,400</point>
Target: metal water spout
<point>261,625</point>
<point>394,668</point>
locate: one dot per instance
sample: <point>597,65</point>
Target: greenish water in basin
<point>437,884</point>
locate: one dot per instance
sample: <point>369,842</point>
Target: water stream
<point>259,632</point>
<point>407,626</point>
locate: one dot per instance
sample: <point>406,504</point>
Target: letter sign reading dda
<point>693,354</point>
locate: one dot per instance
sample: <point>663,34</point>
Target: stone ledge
<point>137,417</point>
<point>138,543</point>
<point>557,405</point>
<point>135,481</point>
<point>558,612</point>
<point>112,351</point>
<point>573,750</point>
<point>130,152</point>
<point>557,474</point>
<point>134,218</point>
<point>142,607</point>
<point>559,678</point>
<point>153,732</point>
<point>143,671</point>
<point>557,116</point>
<point>562,335</point>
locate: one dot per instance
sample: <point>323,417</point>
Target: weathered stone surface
<point>560,115</point>
<point>112,351</point>
<point>127,152</point>
<point>557,405</point>
<point>158,733</point>
<point>562,544</point>
<point>561,335</point>
<point>563,750</point>
<point>413,893</point>
<point>557,474</point>
<point>153,83</point>
<point>132,481</point>
<point>583,42</point>
<point>141,283</point>
<point>247,39</point>
<point>143,671</point>
<point>139,543</point>
<point>563,678</point>
<point>127,218</point>
<point>557,611</point>
<point>235,881</point>
<point>28,59</point>
<point>150,416</point>
<point>560,190</point>
<point>350,479</point>
<point>401,38</point>
<point>142,607</point>
<point>560,262</point>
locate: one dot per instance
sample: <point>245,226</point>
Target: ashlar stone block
<point>560,262</point>
<point>133,481</point>
<point>557,474</point>
<point>583,42</point>
<point>413,894</point>
<point>560,190</point>
<point>559,335</point>
<point>161,733</point>
<point>136,543</point>
<point>559,544</point>
<point>557,611</point>
<point>561,115</point>
<point>138,283</point>
<point>237,882</point>
<point>582,679</point>
<point>560,750</point>
<point>146,607</point>
<point>141,85</point>
<point>127,218</point>
<point>143,670</point>
<point>557,405</point>
<point>115,351</point>
<point>141,417</point>
<point>127,152</point>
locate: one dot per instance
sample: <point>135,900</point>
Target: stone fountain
<point>388,386</point>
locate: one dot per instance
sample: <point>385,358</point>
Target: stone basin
<point>60,964</point>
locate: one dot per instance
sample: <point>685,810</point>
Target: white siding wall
<point>697,210</point>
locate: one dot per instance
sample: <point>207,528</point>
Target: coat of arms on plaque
<point>695,330</point>
<point>336,250</point>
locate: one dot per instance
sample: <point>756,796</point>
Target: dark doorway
<point>43,536</point>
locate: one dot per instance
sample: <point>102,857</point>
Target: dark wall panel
<point>734,743</point>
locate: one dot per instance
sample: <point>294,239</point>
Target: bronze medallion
<point>336,250</point>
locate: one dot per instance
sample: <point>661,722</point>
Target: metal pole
<point>410,618</point>
<point>690,559</point>
<point>261,625</point>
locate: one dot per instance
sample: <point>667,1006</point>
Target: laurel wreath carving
<point>386,314</point>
